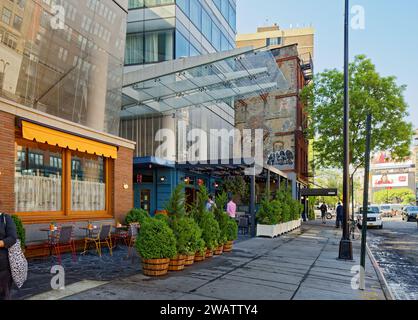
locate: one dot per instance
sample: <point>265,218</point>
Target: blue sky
<point>389,38</point>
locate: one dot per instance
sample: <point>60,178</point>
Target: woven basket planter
<point>219,250</point>
<point>228,246</point>
<point>189,260</point>
<point>209,253</point>
<point>199,257</point>
<point>155,267</point>
<point>177,263</point>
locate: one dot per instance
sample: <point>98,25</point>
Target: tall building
<point>183,73</point>
<point>275,37</point>
<point>61,66</point>
<point>163,30</point>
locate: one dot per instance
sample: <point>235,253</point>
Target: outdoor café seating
<point>62,239</point>
<point>102,237</point>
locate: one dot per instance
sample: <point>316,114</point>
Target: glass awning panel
<point>214,78</point>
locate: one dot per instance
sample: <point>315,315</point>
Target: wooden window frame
<point>66,214</point>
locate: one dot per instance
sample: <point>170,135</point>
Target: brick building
<point>282,116</point>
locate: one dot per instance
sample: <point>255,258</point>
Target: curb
<point>386,289</point>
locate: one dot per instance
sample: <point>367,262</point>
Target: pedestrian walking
<point>210,204</point>
<point>340,215</point>
<point>8,238</point>
<point>324,210</point>
<point>231,208</point>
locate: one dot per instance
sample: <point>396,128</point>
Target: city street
<point>396,250</point>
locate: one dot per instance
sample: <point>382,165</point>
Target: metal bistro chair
<point>104,236</point>
<point>132,235</point>
<point>63,239</point>
<point>243,224</point>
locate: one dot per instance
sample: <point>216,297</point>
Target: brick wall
<point>7,167</point>
<point>123,174</point>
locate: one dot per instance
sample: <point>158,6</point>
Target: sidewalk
<point>300,266</point>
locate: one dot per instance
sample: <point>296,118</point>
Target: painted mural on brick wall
<point>277,117</point>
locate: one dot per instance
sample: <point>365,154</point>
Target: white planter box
<point>278,229</point>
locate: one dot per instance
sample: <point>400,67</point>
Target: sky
<point>389,37</point>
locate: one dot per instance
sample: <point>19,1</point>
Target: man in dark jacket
<point>324,210</point>
<point>8,237</point>
<point>340,215</point>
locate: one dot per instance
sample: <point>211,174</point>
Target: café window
<point>38,184</point>
<point>88,183</point>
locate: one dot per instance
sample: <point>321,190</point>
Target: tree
<point>403,196</point>
<point>369,92</point>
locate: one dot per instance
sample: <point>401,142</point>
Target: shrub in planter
<point>21,232</point>
<point>176,204</point>
<point>137,216</point>
<point>232,234</point>
<point>267,215</point>
<point>156,244</point>
<point>222,217</point>
<point>201,251</point>
<point>210,230</point>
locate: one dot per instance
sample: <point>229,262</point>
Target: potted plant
<point>156,244</point>
<point>20,230</point>
<point>223,219</point>
<point>232,235</point>
<point>136,216</point>
<point>187,234</point>
<point>200,254</point>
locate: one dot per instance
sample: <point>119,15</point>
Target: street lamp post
<point>346,247</point>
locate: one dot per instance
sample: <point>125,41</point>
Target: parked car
<point>374,217</point>
<point>410,213</point>
<point>391,210</point>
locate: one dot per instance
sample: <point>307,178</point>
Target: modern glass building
<point>162,30</point>
<point>61,69</point>
<point>159,31</point>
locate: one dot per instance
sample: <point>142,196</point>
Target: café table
<point>89,234</point>
<point>50,235</point>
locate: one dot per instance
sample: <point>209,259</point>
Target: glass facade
<point>64,60</point>
<point>162,30</point>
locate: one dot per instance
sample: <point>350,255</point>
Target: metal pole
<point>346,248</point>
<point>268,183</point>
<point>252,205</point>
<point>365,204</point>
<point>352,203</point>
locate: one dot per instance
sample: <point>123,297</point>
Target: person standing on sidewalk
<point>324,210</point>
<point>8,238</point>
<point>340,215</point>
<point>231,208</point>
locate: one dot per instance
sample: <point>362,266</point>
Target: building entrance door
<point>145,200</point>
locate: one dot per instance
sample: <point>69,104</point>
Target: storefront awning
<point>217,78</point>
<point>32,131</point>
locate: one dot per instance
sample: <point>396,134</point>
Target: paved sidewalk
<point>301,266</point>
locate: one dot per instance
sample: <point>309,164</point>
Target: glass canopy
<point>204,80</point>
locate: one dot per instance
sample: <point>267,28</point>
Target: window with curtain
<point>38,178</point>
<point>88,185</point>
<point>159,46</point>
<point>206,25</point>
<point>151,47</point>
<point>196,13</point>
<point>134,51</point>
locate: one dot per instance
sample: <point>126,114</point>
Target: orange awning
<point>53,137</point>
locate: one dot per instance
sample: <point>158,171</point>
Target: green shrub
<point>232,229</point>
<point>188,235</point>
<point>222,217</point>
<point>201,246</point>
<point>21,232</point>
<point>156,240</point>
<point>176,204</point>
<point>163,218</point>
<point>210,230</point>
<point>137,216</point>
<point>267,214</point>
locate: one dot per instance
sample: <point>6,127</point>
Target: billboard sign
<point>390,180</point>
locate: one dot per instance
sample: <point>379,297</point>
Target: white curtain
<point>151,47</point>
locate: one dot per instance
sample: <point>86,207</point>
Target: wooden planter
<point>228,246</point>
<point>189,260</point>
<point>177,263</point>
<point>219,250</point>
<point>155,267</point>
<point>199,257</point>
<point>209,253</point>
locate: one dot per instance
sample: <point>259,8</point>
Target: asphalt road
<point>396,250</point>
